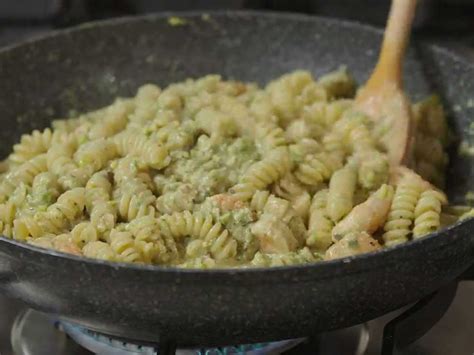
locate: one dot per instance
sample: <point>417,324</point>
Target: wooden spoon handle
<point>397,34</point>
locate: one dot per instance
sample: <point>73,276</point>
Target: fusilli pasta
<point>402,212</point>
<point>427,213</point>
<point>210,173</point>
<point>320,225</point>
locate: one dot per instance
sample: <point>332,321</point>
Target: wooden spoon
<point>382,98</point>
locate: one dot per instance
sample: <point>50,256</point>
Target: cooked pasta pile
<point>211,173</point>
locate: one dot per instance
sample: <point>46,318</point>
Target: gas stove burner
<point>33,330</point>
<point>106,345</point>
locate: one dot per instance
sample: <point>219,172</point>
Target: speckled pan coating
<point>85,68</point>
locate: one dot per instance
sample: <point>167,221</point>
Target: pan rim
<point>346,266</point>
<point>328,268</point>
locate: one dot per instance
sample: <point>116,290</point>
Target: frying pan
<point>86,67</point>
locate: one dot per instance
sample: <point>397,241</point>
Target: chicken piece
<point>227,202</point>
<point>352,244</point>
<point>274,235</point>
<point>65,244</point>
<point>367,216</point>
<point>400,172</point>
<point>279,208</point>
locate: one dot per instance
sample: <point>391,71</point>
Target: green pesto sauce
<point>176,21</point>
<point>238,223</point>
<point>213,168</point>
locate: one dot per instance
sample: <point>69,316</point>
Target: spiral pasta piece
<point>221,247</point>
<point>263,173</point>
<point>145,104</point>
<point>373,169</point>
<point>170,99</point>
<point>99,185</point>
<point>215,123</point>
<point>123,245</point>
<point>291,92</point>
<point>6,230</point>
<point>269,136</point>
<point>300,150</point>
<point>341,192</point>
<point>402,211</point>
<point>145,228</point>
<point>59,215</point>
<point>175,136</point>
<point>69,205</point>
<point>153,244</point>
<point>31,145</point>
<point>427,213</point>
<point>115,119</point>
<point>20,196</point>
<point>25,174</point>
<point>318,168</point>
<point>334,142</point>
<point>319,225</point>
<point>181,224</point>
<point>135,199</point>
<point>152,154</point>
<point>60,163</point>
<point>302,129</point>
<point>84,233</point>
<point>354,129</point>
<point>45,190</point>
<point>7,212</point>
<point>26,227</point>
<point>95,154</point>
<point>125,169</point>
<point>102,211</point>
<point>212,236</point>
<point>326,114</point>
<point>338,83</point>
<point>261,106</point>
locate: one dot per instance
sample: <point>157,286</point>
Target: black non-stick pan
<point>87,67</point>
